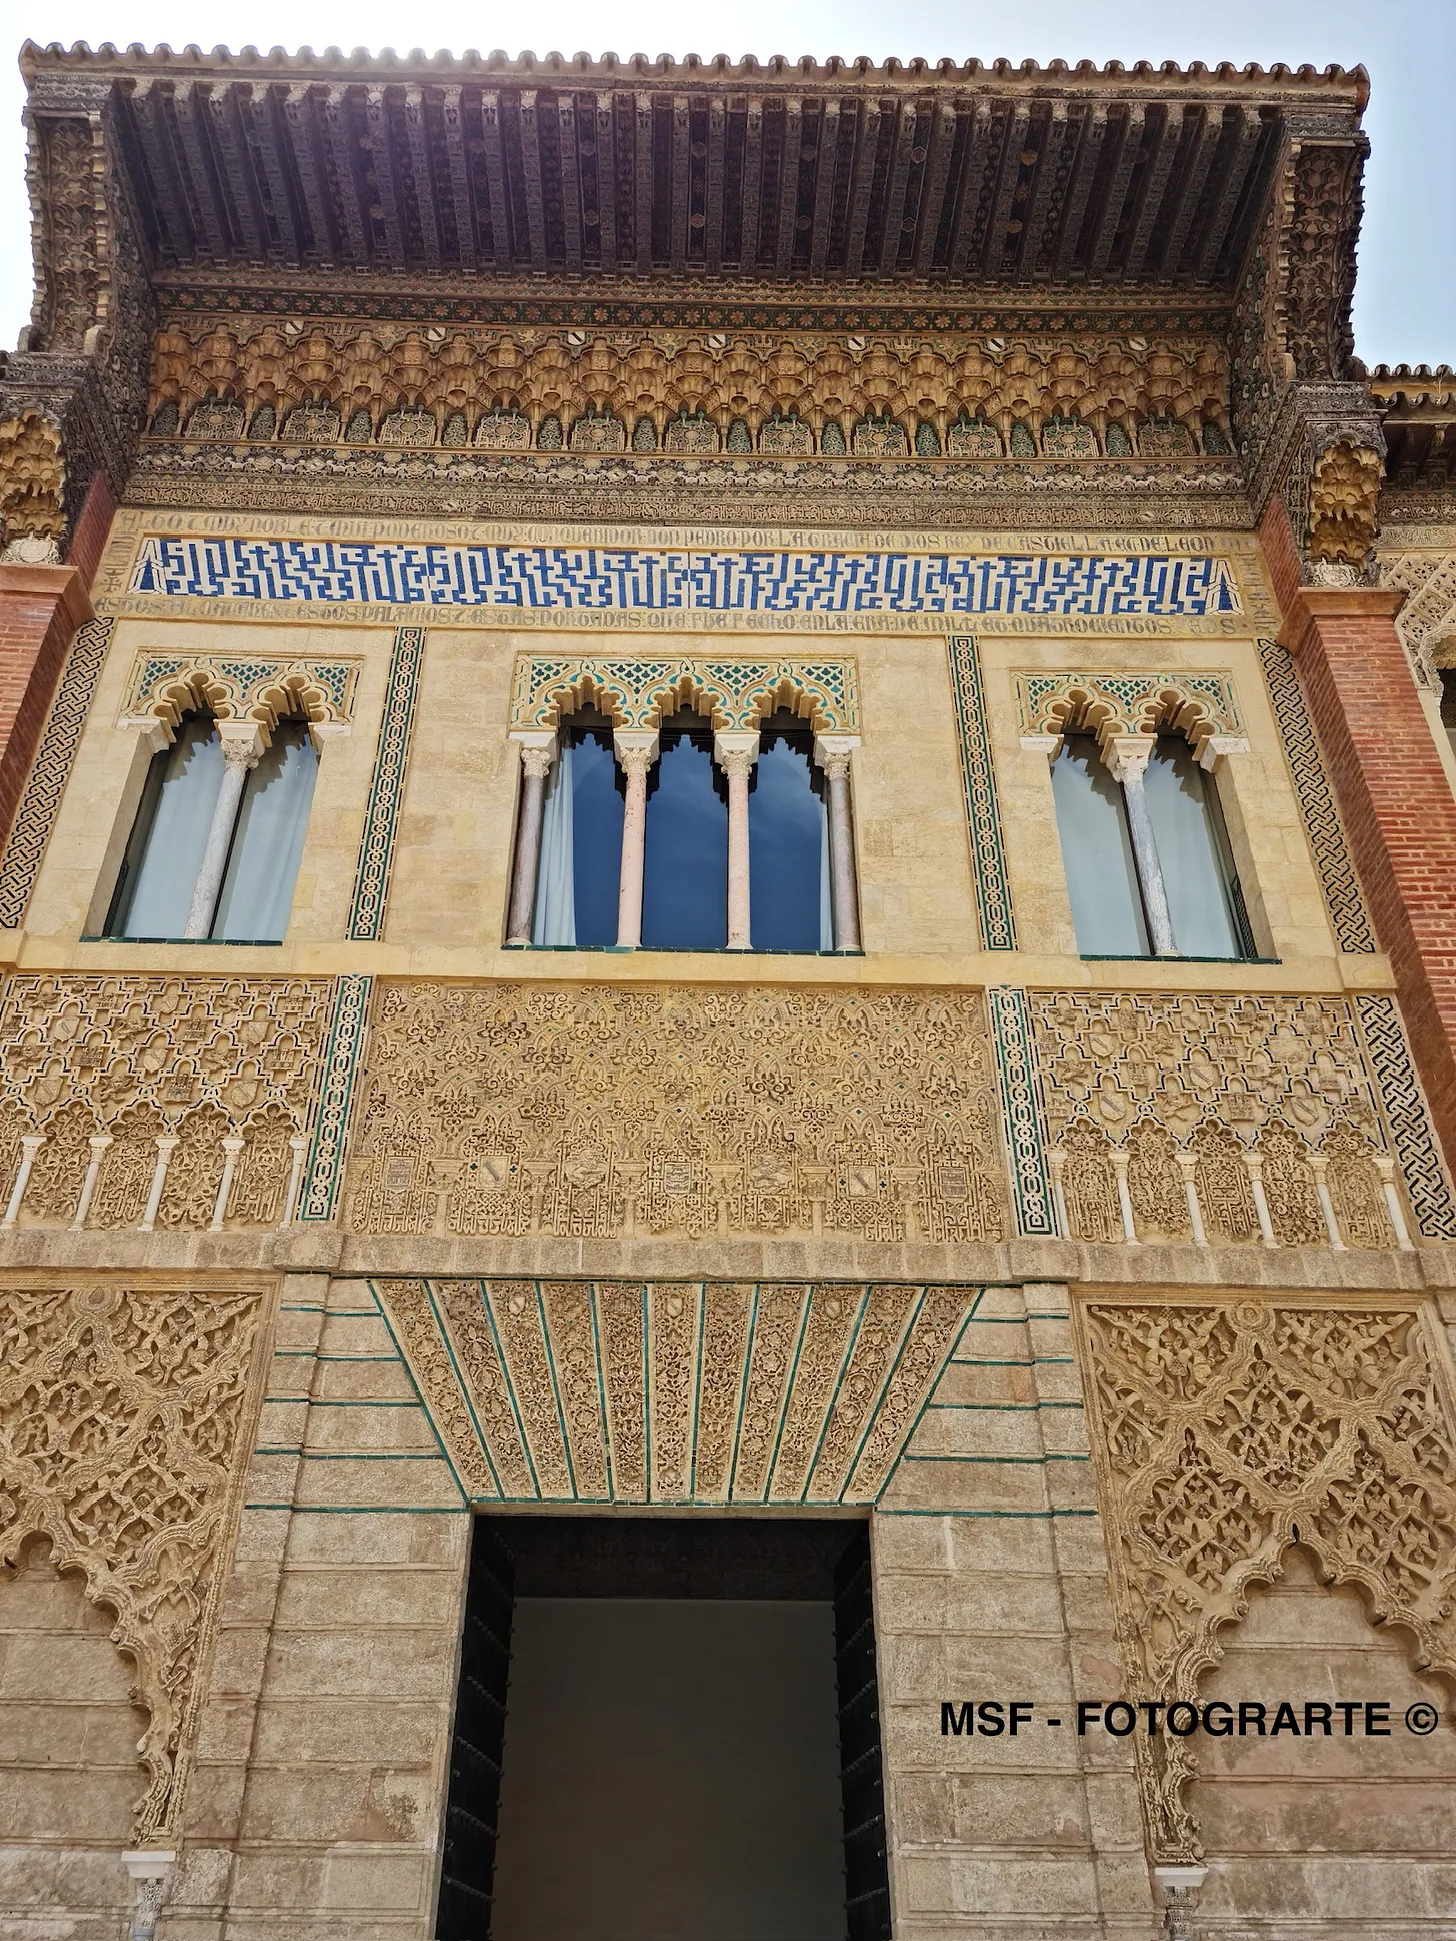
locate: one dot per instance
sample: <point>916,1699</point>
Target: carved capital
<point>243,743</point>
<point>1127,756</point>
<point>736,750</point>
<point>1344,489</point>
<point>834,753</point>
<point>1217,747</point>
<point>636,750</point>
<point>1180,1888</point>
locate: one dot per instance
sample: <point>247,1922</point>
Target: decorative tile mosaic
<point>1022,1116</point>
<point>635,692</point>
<point>261,686</point>
<point>1403,1102</point>
<point>1322,825</point>
<point>1132,704</point>
<point>592,578</point>
<point>679,1392</point>
<point>376,847</point>
<point>983,819</point>
<point>46,784</point>
<point>325,1168</point>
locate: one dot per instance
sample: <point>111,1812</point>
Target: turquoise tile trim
<point>324,1173</point>
<point>376,848</point>
<point>983,820</point>
<point>1403,1101</point>
<point>1022,1116</point>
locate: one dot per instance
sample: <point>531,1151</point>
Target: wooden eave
<point>696,174</point>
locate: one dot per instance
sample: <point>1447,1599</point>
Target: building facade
<point>727,876</point>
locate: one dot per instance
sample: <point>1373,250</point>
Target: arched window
<point>1149,867</point>
<point>685,869</point>
<point>788,841</point>
<point>215,848</point>
<point>581,838</point>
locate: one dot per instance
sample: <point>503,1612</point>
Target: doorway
<point>667,1729</point>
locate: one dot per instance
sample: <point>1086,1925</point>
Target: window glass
<point>554,918</point>
<point>1097,850</point>
<point>788,840</point>
<point>1191,845</point>
<point>598,791</point>
<point>154,892</point>
<point>257,891</point>
<point>685,881</point>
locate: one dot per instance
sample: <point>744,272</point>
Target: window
<point>1149,868</point>
<point>685,837</point>
<point>215,848</point>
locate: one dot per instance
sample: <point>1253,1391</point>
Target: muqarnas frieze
<point>1226,1119</point>
<point>599,1111</point>
<point>123,1419</point>
<point>159,1101</point>
<point>681,1391</point>
<point>787,394</point>
<point>1223,1435</point>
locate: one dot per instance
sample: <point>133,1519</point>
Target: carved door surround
<point>1225,1432</point>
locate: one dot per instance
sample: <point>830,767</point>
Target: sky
<point>1405,300</point>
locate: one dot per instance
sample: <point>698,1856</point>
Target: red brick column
<point>40,610</point>
<point>1393,793</point>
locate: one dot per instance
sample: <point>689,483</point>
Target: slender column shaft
<point>93,1173</point>
<point>1188,1167</point>
<point>30,1145</point>
<point>636,753</point>
<point>535,766</point>
<point>736,752</point>
<point>1058,1161</point>
<point>239,754</point>
<point>1128,762</point>
<point>295,1175</point>
<point>1255,1165</point>
<point>1320,1166</point>
<point>1386,1166</point>
<point>166,1146</point>
<point>833,755</point>
<point>1124,1197</point>
<point>231,1147</point>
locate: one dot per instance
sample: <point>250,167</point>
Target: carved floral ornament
<point>1201,707</point>
<point>262,689</point>
<point>1344,490</point>
<point>1427,621</point>
<point>31,483</point>
<point>1222,1436</point>
<point>123,1420</point>
<point>783,394</point>
<point>636,694</point>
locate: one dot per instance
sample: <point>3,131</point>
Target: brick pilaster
<point>1393,792</point>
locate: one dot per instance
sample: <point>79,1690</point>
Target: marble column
<point>833,753</point>
<point>1127,760</point>
<point>242,747</point>
<point>636,750</point>
<point>735,751</point>
<point>538,751</point>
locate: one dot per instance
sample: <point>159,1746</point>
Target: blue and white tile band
<point>607,579</point>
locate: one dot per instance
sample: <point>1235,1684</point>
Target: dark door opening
<point>667,1729</point>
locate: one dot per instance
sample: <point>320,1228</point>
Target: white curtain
<point>555,920</point>
<point>257,892</point>
<point>172,824</point>
<point>826,902</point>
<point>1195,875</point>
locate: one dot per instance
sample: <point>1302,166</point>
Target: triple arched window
<point>1150,869</point>
<point>685,838</point>
<point>215,847</point>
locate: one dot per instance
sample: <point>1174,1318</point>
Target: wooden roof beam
<point>1190,189</point>
<point>190,114</point>
<point>606,139</point>
<point>227,133</point>
<point>454,120</point>
<point>682,135</point>
<point>418,135</point>
<point>531,174</point>
<point>298,115</point>
<point>149,116</point>
<point>1129,139</point>
<point>932,189</point>
<point>752,182</point>
<point>1155,182</point>
<point>1044,175</point>
<point>993,251</point>
<point>866,145</point>
<point>570,177</point>
<point>891,233</point>
<point>713,203</point>
<point>642,177</point>
<point>1242,149</point>
<point>973,174</point>
<point>339,127</point>
<point>1079,187</point>
<point>790,158</point>
<point>497,188</point>
<point>376,115</point>
<point>258,103</point>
